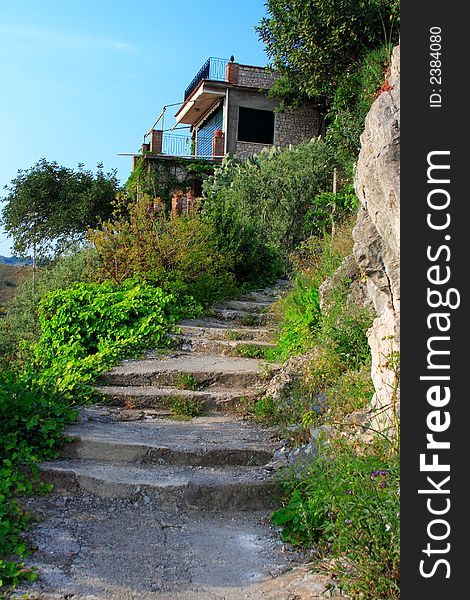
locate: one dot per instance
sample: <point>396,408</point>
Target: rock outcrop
<point>377,238</point>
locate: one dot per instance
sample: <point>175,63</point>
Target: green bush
<point>347,505</point>
<point>89,327</point>
<point>178,254</point>
<point>31,421</point>
<point>352,100</point>
<point>22,321</point>
<point>259,205</point>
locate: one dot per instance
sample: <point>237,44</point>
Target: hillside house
<point>226,110</point>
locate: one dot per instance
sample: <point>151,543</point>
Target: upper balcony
<point>213,69</point>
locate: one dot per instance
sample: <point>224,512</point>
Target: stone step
<point>263,297</point>
<point>244,348</point>
<point>213,399</point>
<point>249,306</point>
<point>242,317</point>
<point>179,487</point>
<point>177,370</point>
<point>205,441</point>
<point>221,330</point>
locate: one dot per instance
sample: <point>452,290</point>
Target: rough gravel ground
<point>95,549</point>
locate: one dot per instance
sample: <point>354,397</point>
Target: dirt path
<point>148,507</point>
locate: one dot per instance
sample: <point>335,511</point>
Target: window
<point>255,125</point>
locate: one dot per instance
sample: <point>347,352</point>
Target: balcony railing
<point>213,68</point>
<point>176,145</point>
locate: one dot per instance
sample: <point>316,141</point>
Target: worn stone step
<point>218,329</point>
<point>213,399</point>
<point>268,294</point>
<point>244,348</point>
<point>250,306</point>
<point>181,487</point>
<point>205,441</point>
<point>242,317</point>
<point>261,296</point>
<point>204,370</point>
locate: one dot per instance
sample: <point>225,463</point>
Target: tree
<point>49,207</point>
<point>312,44</point>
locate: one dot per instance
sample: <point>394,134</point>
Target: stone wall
<point>377,238</point>
<point>294,126</point>
<point>244,150</point>
<point>255,77</point>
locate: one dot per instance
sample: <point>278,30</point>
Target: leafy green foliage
<point>22,321</point>
<point>302,323</point>
<point>327,209</point>
<point>300,318</point>
<point>352,100</point>
<point>184,408</point>
<point>89,327</point>
<point>312,44</point>
<point>251,350</point>
<point>49,207</point>
<point>259,206</point>
<point>344,501</point>
<point>347,505</point>
<point>187,381</point>
<point>31,420</point>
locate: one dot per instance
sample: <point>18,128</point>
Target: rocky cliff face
<point>377,237</point>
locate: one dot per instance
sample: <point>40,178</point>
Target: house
<point>226,110</point>
<point>232,99</point>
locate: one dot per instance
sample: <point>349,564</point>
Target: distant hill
<point>13,260</point>
<point>10,276</point>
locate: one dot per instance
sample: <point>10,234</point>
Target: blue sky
<point>82,81</point>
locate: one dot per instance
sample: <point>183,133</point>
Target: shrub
<point>31,421</point>
<point>352,100</point>
<point>22,320</point>
<point>177,254</point>
<point>259,205</point>
<point>90,327</point>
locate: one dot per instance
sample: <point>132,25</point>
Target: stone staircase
<point>133,447</point>
<point>149,505</point>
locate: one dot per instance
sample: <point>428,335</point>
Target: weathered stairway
<point>146,506</point>
<point>133,448</point>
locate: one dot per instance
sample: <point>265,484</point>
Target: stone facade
<point>295,126</point>
<point>255,77</point>
<point>244,150</point>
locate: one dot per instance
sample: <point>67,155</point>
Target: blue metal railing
<point>213,68</point>
<point>176,145</point>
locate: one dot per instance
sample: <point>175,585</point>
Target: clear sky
<point>82,81</point>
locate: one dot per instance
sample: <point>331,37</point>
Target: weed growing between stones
<point>187,381</point>
<point>250,351</point>
<point>234,335</point>
<point>184,409</point>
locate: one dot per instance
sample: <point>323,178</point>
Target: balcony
<point>176,145</point>
<point>213,69</point>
